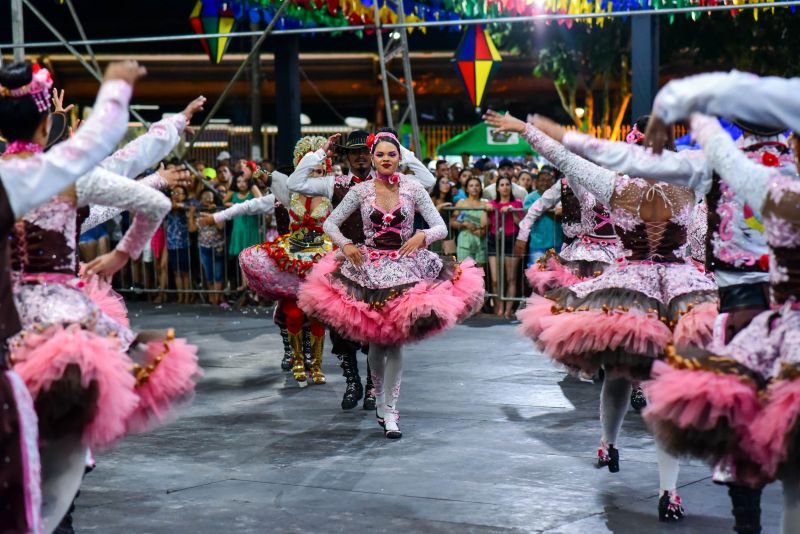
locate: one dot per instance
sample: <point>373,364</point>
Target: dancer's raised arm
<point>746,177</point>
<point>31,181</point>
<point>302,179</point>
<point>581,173</point>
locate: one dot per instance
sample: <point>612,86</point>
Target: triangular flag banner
<point>476,61</point>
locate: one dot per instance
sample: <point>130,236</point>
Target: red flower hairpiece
<point>371,140</point>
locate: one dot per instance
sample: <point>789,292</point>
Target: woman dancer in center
<point>275,269</point>
<point>624,319</point>
<point>389,290</point>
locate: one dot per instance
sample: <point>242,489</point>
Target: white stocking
<point>614,401</point>
<point>393,375</point>
<point>377,367</point>
<point>668,469</point>
<point>63,465</point>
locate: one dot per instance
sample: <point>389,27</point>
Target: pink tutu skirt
<point>624,319</point>
<point>76,360</point>
<point>391,300</point>
<point>274,270</point>
<point>738,402</point>
<point>578,261</point>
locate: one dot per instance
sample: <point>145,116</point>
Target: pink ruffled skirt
<point>391,300</point>
<point>737,403</point>
<point>578,261</point>
<point>90,373</point>
<point>624,319</point>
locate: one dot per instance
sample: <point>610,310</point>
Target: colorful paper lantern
<point>476,61</point>
<point>209,17</point>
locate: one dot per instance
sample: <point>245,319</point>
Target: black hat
<point>761,130</point>
<point>506,163</point>
<point>356,139</point>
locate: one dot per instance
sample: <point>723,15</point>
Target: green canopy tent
<point>481,140</point>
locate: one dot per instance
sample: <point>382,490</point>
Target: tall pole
<point>644,63</point>
<point>387,99</point>
<point>412,103</point>
<point>255,100</point>
<point>287,97</point>
<point>17,29</point>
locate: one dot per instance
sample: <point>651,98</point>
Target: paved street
<point>495,440</point>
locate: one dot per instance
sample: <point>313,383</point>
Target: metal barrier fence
<point>195,269</point>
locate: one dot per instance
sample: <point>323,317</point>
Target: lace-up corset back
<point>782,215</point>
<point>735,239</point>
<point>652,220</point>
<point>600,224</point>
<point>352,228</point>
<point>571,213</point>
<point>44,240</point>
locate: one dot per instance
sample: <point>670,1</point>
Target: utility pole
<point>17,29</point>
<point>255,99</point>
<point>644,63</point>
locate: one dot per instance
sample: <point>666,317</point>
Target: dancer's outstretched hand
<point>329,144</point>
<point>353,254</point>
<point>412,245</point>
<point>105,266</point>
<point>550,127</point>
<point>520,248</point>
<point>128,71</point>
<point>505,123</point>
<point>657,135</point>
<point>194,106</point>
<point>58,102</point>
<point>177,176</point>
<point>206,219</point>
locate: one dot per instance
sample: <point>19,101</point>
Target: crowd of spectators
<point>482,203</point>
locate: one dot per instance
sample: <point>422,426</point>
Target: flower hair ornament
<point>635,136</point>
<point>38,88</point>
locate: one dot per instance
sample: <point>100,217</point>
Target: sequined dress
<point>623,319</point>
<point>738,404</point>
<point>390,299</point>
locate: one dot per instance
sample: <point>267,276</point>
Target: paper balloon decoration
<point>476,61</point>
<point>213,16</point>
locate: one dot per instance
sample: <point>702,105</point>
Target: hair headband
<point>372,139</point>
<point>38,88</point>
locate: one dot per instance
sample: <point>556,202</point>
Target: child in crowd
<point>180,222</point>
<point>211,239</point>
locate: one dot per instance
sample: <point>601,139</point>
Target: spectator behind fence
<point>525,181</point>
<point>461,185</point>
<point>180,222</point>
<point>442,196</point>
<point>211,239</point>
<point>546,232</point>
<point>245,228</point>
<point>500,208</point>
<point>471,224</point>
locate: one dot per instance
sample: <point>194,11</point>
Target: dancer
<point>624,319</point>
<point>590,244</point>
<point>336,188</point>
<point>275,269</point>
<point>740,400</point>
<point>389,289</point>
<point>25,183</point>
<point>736,246</point>
<point>71,354</point>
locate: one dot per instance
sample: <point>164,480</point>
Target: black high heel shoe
<point>638,400</point>
<point>608,457</point>
<point>670,508</point>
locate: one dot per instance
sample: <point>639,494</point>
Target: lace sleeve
<point>770,101</point>
<point>421,172</point>
<point>108,189</point>
<point>301,181</point>
<point>147,150</point>
<point>596,180</point>
<point>748,178</point>
<point>350,203</point>
<point>547,201</point>
<point>687,168</point>
<point>31,181</point>
<point>255,206</point>
<point>437,230</point>
<point>280,188</point>
<point>100,214</point>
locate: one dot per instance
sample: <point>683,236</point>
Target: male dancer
<point>358,158</point>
